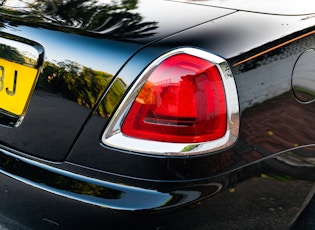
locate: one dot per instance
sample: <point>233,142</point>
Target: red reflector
<point>182,101</point>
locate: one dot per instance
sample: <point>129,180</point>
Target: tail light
<point>184,103</point>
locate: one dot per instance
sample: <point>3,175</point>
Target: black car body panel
<point>94,52</point>
<point>247,75</point>
<point>92,49</point>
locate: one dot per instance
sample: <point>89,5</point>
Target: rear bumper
<point>38,196</point>
<point>80,188</point>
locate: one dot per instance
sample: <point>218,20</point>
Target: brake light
<point>182,101</point>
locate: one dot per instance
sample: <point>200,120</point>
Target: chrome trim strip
<point>115,138</point>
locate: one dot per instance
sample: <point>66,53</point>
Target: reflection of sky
<point>23,49</point>
<point>171,19</point>
<point>165,13</point>
<point>108,55</point>
<point>24,3</point>
<point>104,55</point>
<point>267,6</point>
<point>18,3</point>
<point>288,7</point>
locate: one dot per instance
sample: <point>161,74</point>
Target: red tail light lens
<point>182,101</point>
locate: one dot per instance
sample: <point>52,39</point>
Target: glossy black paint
<point>53,91</point>
<point>81,54</point>
<point>263,83</point>
<point>260,188</point>
<point>56,155</point>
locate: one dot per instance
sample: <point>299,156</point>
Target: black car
<point>160,114</point>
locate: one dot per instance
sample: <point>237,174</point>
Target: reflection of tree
<point>56,181</point>
<point>84,188</point>
<point>11,54</point>
<point>112,98</point>
<point>81,84</point>
<point>116,19</point>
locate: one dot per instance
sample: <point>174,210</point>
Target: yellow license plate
<point>16,84</point>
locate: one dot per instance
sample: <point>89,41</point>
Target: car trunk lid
<point>85,43</point>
